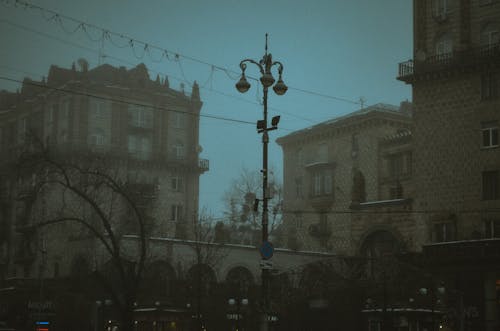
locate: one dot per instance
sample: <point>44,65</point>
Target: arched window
<point>239,280</point>
<point>358,187</point>
<point>201,279</point>
<point>377,247</point>
<point>159,279</point>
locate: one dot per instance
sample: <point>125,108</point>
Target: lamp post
<point>267,80</point>
<point>440,290</point>
<point>236,311</point>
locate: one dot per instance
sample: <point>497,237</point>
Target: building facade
<point>455,79</point>
<point>336,170</point>
<point>140,130</point>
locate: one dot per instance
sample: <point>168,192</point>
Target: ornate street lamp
<point>267,80</point>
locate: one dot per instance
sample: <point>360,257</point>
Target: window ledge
<point>483,148</point>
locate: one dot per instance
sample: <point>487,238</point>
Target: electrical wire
<point>83,25</point>
<point>86,94</point>
<point>156,72</point>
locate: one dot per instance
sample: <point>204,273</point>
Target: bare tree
<point>91,195</point>
<point>242,206</point>
<point>208,254</point>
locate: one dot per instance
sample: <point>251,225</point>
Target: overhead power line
<point>64,90</point>
<point>145,47</point>
<point>169,75</point>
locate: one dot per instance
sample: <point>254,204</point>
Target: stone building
<point>142,130</point>
<point>455,78</point>
<point>336,170</point>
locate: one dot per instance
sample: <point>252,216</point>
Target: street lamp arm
<point>280,68</point>
<point>243,65</point>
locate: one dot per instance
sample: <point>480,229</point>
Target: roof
<point>379,109</point>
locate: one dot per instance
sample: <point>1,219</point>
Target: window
<point>490,36</point>
<point>178,120</point>
<point>176,213</point>
<point>444,47</point>
<point>489,85</point>
<point>97,137</point>
<point>490,185</point>
<point>489,133</point>
<point>444,232</point>
<point>179,151</point>
<point>98,108</point>
<point>354,145</point>
<point>64,109</point>
<point>51,113</point>
<point>177,183</point>
<point>399,165</point>
<point>22,129</point>
<point>322,155</point>
<point>298,220</point>
<point>322,183</point>
<point>298,187</point>
<point>441,8</point>
<point>140,117</point>
<point>396,191</point>
<point>139,146</point>
<point>492,228</point>
<point>300,157</point>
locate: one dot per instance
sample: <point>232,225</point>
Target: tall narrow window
<point>177,183</point>
<point>298,187</point>
<point>322,155</point>
<point>176,213</point>
<point>179,151</point>
<point>490,185</point>
<point>354,145</point>
<point>490,84</point>
<point>178,120</point>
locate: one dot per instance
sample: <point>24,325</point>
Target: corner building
<point>147,132</point>
<point>455,78</point>
<point>337,170</point>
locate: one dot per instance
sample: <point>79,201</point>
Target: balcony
<point>203,165</point>
<point>468,59</point>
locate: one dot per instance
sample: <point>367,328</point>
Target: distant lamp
<point>280,88</point>
<point>275,120</point>
<point>261,125</point>
<point>243,85</point>
<point>267,79</point>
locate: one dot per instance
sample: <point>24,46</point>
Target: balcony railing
<point>465,58</point>
<point>203,164</point>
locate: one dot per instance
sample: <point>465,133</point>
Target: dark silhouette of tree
<point>90,197</point>
<point>244,214</point>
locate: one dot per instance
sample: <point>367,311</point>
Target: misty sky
<point>345,49</point>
